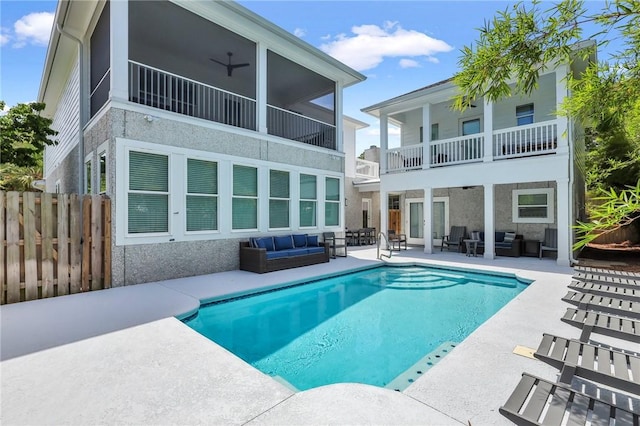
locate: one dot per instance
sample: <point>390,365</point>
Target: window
<point>244,206</point>
<point>88,169</point>
<point>524,114</point>
<point>533,205</point>
<point>332,202</point>
<point>202,195</point>
<point>470,127</point>
<point>148,193</point>
<point>278,199</point>
<point>308,200</point>
<point>435,132</point>
<point>102,164</point>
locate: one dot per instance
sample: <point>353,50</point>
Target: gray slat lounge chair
<point>597,322</point>
<point>550,242</point>
<point>611,305</point>
<point>617,280</point>
<point>606,290</point>
<point>454,239</point>
<point>606,366</point>
<point>335,244</point>
<point>603,271</point>
<point>534,396</point>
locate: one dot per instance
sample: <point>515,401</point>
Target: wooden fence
<point>53,244</point>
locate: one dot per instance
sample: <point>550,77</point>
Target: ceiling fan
<point>229,65</point>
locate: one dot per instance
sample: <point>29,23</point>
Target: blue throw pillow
<point>499,236</point>
<point>266,243</point>
<point>300,240</point>
<point>312,241</point>
<point>253,242</point>
<point>283,243</point>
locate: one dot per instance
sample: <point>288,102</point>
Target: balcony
<point>367,169</point>
<point>515,142</point>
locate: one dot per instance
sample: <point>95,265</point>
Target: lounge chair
<point>609,272</point>
<point>617,280</point>
<point>454,239</point>
<point>335,244</point>
<point>613,290</point>
<point>534,396</point>
<point>396,240</point>
<point>597,322</point>
<point>614,368</point>
<point>550,242</point>
<point>611,305</point>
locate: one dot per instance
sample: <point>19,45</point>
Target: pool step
<point>409,376</point>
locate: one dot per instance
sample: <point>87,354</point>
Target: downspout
<point>81,117</point>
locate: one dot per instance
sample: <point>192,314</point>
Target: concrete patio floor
<point>120,356</point>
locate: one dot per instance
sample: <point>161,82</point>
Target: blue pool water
<point>382,326</point>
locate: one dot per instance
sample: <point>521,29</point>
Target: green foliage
<point>24,133</point>
<point>16,178</point>
<point>612,209</point>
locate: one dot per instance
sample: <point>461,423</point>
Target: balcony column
<point>119,50</point>
<point>427,210</point>
<point>338,118</point>
<point>489,232</point>
<point>384,212</point>
<point>426,141</point>
<point>561,94</point>
<point>261,88</point>
<point>488,131</point>
<point>384,146</point>
<point>564,221</point>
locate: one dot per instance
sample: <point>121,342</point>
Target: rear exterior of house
<point>513,166</point>
<point>204,123</point>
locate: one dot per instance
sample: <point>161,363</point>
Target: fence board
<point>75,248</point>
<point>13,247</point>
<point>96,242</point>
<point>63,244</point>
<point>3,264</point>
<point>46,213</point>
<point>30,249</point>
<point>86,241</point>
<point>107,242</point>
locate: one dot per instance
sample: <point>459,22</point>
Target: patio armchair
<point>335,244</point>
<point>396,240</point>
<point>454,239</point>
<point>550,242</point>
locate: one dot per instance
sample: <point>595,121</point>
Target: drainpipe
<point>81,117</point>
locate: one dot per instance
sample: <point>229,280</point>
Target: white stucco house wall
<point>514,165</point>
<point>203,122</point>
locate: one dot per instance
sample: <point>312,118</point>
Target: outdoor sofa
<point>267,254</point>
<point>506,243</point>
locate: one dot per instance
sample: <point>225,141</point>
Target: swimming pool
<point>383,326</point>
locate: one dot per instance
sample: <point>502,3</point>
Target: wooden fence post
<point>13,247</point>
<point>106,202</point>
<point>63,244</point>
<point>46,213</point>
<point>86,241</point>
<point>75,250</point>
<point>30,246</point>
<point>96,242</point>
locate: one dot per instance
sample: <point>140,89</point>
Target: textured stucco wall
<point>353,210</point>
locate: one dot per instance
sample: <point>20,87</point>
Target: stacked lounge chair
<point>608,302</point>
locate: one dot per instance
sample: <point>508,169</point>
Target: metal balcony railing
<point>297,127</point>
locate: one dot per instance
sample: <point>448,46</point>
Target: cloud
<point>300,32</point>
<point>34,28</point>
<point>369,45</point>
<point>408,63</point>
<point>326,37</point>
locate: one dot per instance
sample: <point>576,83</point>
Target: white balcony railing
<point>404,158</point>
<point>297,127</point>
<point>367,169</point>
<point>521,141</point>
<point>163,90</point>
<point>463,149</point>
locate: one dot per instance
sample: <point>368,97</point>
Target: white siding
<point>543,100</point>
<point>66,121</point>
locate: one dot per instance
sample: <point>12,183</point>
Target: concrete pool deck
<point>120,356</point>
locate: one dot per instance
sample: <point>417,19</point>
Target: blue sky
<point>399,45</point>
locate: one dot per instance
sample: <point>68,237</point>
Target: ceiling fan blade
<point>218,62</point>
<point>239,65</point>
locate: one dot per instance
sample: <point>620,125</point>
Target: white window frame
<point>530,114</point>
<point>257,197</point>
<point>88,174</point>
<point>314,200</point>
<point>186,194</point>
<point>338,202</point>
<point>288,200</point>
<point>550,205</point>
<point>103,149</point>
<point>468,119</point>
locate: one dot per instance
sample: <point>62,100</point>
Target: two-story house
<point>205,124</point>
<point>513,165</point>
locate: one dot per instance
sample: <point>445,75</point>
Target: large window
<point>202,195</point>
<point>308,200</point>
<point>332,202</point>
<point>471,127</point>
<point>533,205</point>
<point>278,199</point>
<point>524,114</point>
<point>244,208</point>
<point>148,193</point>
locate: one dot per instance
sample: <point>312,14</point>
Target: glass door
<point>415,221</point>
<point>440,225</point>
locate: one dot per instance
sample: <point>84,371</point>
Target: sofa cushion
<point>297,252</point>
<point>283,243</point>
<point>313,250</point>
<point>253,242</point>
<point>509,237</point>
<point>266,243</point>
<point>277,254</point>
<point>499,236</point>
<point>299,240</point>
<point>504,244</point>
<point>312,241</point>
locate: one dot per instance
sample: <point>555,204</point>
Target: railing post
<point>426,135</point>
<point>261,88</point>
<point>119,45</point>
<point>488,131</point>
<point>384,142</point>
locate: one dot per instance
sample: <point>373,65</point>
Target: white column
<point>427,208</point>
<point>384,211</point>
<point>488,131</point>
<point>261,87</point>
<point>384,144</point>
<point>563,199</point>
<point>561,93</point>
<point>426,137</point>
<point>119,49</point>
<point>489,229</point>
<point>338,117</point>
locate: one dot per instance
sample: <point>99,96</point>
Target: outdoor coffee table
<point>472,245</point>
